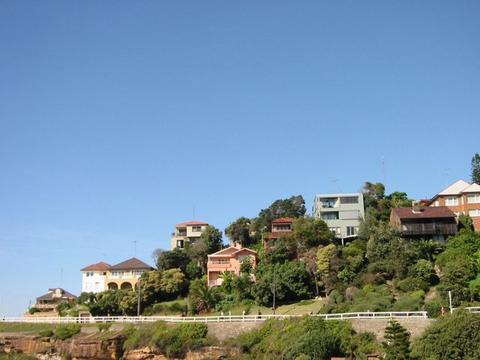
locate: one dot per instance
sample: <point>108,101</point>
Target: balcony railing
<point>429,229</point>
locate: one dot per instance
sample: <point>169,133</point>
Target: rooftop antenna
<point>384,177</point>
<point>134,248</point>
<point>61,276</point>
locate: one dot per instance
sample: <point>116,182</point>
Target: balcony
<point>429,229</point>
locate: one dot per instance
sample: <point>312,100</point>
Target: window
<point>473,198</point>
<point>180,244</point>
<point>196,228</point>
<point>475,212</point>
<point>329,215</point>
<point>451,201</point>
<point>349,200</point>
<point>335,230</point>
<point>352,230</point>
<point>328,203</point>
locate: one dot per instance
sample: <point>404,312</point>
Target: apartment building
<point>462,198</point>
<point>102,276</point>
<point>187,232</point>
<point>420,221</point>
<point>228,260</point>
<point>341,212</point>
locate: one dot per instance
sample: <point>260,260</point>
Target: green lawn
<point>300,308</point>
<point>24,327</point>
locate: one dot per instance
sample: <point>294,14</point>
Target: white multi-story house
<point>187,232</point>
<point>102,276</point>
<point>341,212</point>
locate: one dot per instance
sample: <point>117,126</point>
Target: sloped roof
<point>131,264</point>
<point>474,188</point>
<point>100,266</point>
<point>51,292</point>
<point>455,189</point>
<point>426,213</point>
<point>283,220</point>
<point>232,250</point>
<point>191,223</point>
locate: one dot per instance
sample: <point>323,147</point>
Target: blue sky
<point>118,118</point>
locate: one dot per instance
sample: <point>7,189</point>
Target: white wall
<point>94,282</point>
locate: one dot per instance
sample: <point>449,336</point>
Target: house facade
<point>420,221</point>
<point>187,232</point>
<point>341,212</point>
<point>102,276</point>
<point>228,260</point>
<point>462,198</point>
<point>55,296</point>
<point>280,227</point>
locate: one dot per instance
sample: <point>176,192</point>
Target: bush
<point>33,310</point>
<point>433,308</point>
<point>412,284</point>
<point>46,333</point>
<point>451,337</point>
<point>102,327</point>
<point>67,331</point>
<point>409,302</point>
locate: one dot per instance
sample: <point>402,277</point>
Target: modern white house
<point>341,212</point>
<point>94,277</point>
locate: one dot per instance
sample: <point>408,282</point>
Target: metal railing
<point>211,319</point>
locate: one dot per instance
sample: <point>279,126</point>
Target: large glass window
<point>475,212</point>
<point>349,200</point>
<point>473,198</point>
<point>330,215</point>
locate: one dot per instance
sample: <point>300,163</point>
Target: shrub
<point>67,331</point>
<point>46,333</point>
<point>451,337</point>
<point>409,302</point>
<point>412,284</point>
<point>33,310</point>
<point>102,327</point>
<point>433,308</point>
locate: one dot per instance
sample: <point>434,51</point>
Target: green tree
<point>239,231</point>
<point>325,266</point>
<point>293,207</point>
<point>451,337</point>
<point>172,260</point>
<point>289,281</point>
<point>212,237</point>
<point>476,168</point>
<point>465,222</point>
<point>310,232</point>
<point>201,297</point>
<point>172,283</point>
<point>397,344</point>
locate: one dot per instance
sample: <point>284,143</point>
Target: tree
<point>175,259</point>
<point>397,344</point>
<point>172,283</point>
<point>290,280</point>
<point>239,231</point>
<point>246,266</point>
<point>310,232</point>
<point>465,222</point>
<point>212,237</point>
<point>325,270</point>
<point>476,168</point>
<point>452,337</point>
<point>293,207</point>
<point>201,297</point>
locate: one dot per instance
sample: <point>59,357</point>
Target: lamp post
<point>138,300</point>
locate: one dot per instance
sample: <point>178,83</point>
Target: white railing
<point>471,309</point>
<point>211,319</point>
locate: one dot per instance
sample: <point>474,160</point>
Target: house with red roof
<point>280,227</point>
<point>102,276</point>
<point>420,221</point>
<point>187,232</point>
<point>228,260</point>
<point>48,302</point>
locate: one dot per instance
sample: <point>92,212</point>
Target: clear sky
<point>118,118</point>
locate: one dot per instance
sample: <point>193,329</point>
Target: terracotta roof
<point>191,223</point>
<point>283,220</point>
<point>427,213</point>
<point>100,266</point>
<point>232,250</point>
<point>131,264</point>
